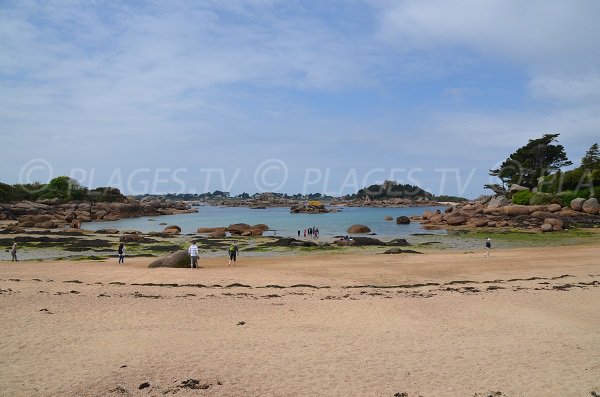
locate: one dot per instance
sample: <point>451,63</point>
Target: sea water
<point>280,221</point>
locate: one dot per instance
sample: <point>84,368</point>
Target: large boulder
<point>479,222</point>
<point>238,228</point>
<point>591,206</point>
<point>517,188</point>
<point>107,231</point>
<point>361,242</point>
<point>47,225</point>
<point>577,204</point>
<point>554,207</point>
<point>541,215</point>
<point>398,242</point>
<point>173,229</point>
<point>556,223</point>
<point>202,230</point>
<point>179,258</point>
<point>131,238</point>
<point>515,210</point>
<point>358,229</point>
<point>498,202</point>
<point>456,219</point>
<point>402,220</point>
<point>426,215</point>
<point>261,226</point>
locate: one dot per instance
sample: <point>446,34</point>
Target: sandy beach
<point>523,322</point>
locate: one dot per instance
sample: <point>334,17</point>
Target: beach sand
<point>524,322</point>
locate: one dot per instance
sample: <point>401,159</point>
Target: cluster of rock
<point>237,229</point>
<point>309,209</point>
<point>498,212</point>
<point>48,215</point>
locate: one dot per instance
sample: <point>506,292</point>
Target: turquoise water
<point>279,220</point>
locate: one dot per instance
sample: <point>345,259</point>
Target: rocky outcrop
<point>57,215</point>
<point>358,229</point>
<point>243,229</point>
<point>402,220</point>
<point>309,209</point>
<point>173,229</point>
<point>491,214</point>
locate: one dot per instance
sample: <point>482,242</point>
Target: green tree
<point>591,160</point>
<point>529,163</point>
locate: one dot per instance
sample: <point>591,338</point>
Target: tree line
<point>61,189</point>
<point>538,166</point>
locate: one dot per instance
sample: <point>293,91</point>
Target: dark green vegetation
<point>538,158</point>
<point>391,189</point>
<point>538,165</point>
<point>62,189</point>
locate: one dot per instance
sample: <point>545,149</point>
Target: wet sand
<point>523,322</point>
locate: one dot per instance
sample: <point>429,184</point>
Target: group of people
<point>311,232</point>
<point>194,254</point>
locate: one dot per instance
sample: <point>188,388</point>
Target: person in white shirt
<point>193,251</point>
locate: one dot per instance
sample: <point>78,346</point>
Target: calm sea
<point>279,220</point>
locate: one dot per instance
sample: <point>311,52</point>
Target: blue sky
<point>292,96</point>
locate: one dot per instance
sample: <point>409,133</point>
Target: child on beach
<point>121,252</point>
<point>193,252</point>
<point>488,246</point>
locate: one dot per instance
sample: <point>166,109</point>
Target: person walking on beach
<point>121,252</point>
<point>193,252</point>
<point>233,251</point>
<point>13,252</point>
<point>488,247</point>
<point>298,233</point>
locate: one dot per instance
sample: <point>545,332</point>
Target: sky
<point>291,96</point>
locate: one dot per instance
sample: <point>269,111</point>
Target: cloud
<point>537,34</point>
